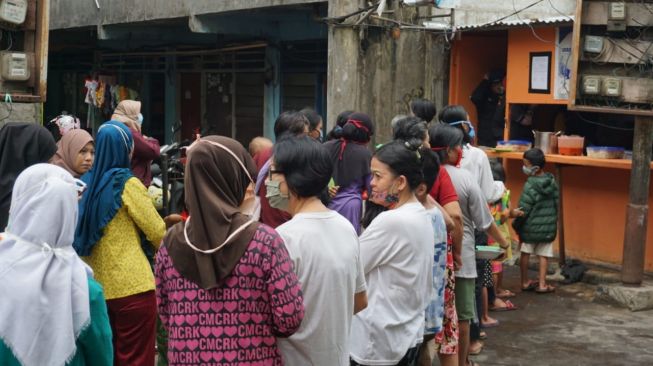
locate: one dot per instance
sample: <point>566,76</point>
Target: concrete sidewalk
<point>566,328</point>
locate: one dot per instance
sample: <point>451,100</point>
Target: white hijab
<point>44,300</point>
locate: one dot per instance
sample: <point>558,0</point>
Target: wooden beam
<point>637,210</point>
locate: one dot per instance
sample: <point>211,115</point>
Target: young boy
<point>536,219</point>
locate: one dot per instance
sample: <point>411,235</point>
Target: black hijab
<point>21,145</point>
<point>350,155</point>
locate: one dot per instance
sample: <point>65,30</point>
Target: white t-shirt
<point>397,253</point>
<point>476,214</point>
<point>476,162</point>
<point>325,251</point>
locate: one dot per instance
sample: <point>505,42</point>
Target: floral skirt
<point>447,340</point>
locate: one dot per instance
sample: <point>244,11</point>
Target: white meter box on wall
<point>15,66</point>
<point>13,11</point>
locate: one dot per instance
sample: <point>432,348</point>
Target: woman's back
<point>94,343</point>
<point>238,321</point>
<point>118,259</point>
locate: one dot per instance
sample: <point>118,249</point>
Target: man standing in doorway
<point>490,101</point>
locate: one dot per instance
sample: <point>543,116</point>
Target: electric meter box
<point>13,11</point>
<point>591,85</point>
<point>593,44</point>
<point>15,66</point>
<point>617,11</point>
<point>611,87</point>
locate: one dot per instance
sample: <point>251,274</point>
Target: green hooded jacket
<point>539,201</point>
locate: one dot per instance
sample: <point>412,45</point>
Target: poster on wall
<point>563,63</point>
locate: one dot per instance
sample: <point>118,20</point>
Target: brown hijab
<point>215,186</point>
<point>68,147</point>
<point>127,112</point>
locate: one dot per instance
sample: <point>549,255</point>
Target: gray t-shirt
<point>476,214</point>
<point>325,252</point>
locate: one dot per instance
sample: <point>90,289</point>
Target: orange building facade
<point>594,192</point>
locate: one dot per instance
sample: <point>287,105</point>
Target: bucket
<point>546,141</point>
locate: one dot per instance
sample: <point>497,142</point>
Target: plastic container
<point>571,145</point>
<point>605,152</point>
<point>488,252</point>
<point>628,155</point>
<point>514,145</point>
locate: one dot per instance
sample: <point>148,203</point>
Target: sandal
<point>545,290</point>
<point>532,285</point>
<point>509,306</point>
<point>490,325</point>
<point>506,294</point>
<point>477,350</point>
<point>482,336</point>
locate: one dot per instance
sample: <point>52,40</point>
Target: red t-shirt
<point>443,190</point>
<point>269,216</point>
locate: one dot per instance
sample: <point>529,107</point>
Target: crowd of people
<point>298,252</point>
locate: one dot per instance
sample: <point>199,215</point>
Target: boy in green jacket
<point>536,219</point>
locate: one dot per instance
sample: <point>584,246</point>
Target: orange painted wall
<point>521,42</point>
<point>472,57</point>
<point>595,202</point>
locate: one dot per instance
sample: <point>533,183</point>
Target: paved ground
<point>566,328</point>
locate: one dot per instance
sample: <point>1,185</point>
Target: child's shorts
<point>541,249</point>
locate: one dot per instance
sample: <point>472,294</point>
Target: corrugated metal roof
<point>519,22</point>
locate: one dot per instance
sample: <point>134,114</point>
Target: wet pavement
<point>566,328</point>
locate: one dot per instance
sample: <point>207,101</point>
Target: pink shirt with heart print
<point>236,324</point>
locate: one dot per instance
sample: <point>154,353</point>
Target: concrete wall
<point>378,71</point>
<point>20,112</point>
<point>77,13</point>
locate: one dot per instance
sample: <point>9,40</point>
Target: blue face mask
<point>140,119</point>
<point>321,138</point>
<point>471,132</point>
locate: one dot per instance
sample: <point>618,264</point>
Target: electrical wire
<point>559,12</point>
<point>603,125</point>
<point>528,23</point>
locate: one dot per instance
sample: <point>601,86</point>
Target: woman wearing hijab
<point>52,311</point>
<point>225,283</point>
<point>113,212</point>
<point>351,167</point>
<point>75,152</point>
<point>21,145</point>
<point>146,149</point>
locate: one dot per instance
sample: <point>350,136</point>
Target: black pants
<point>409,359</point>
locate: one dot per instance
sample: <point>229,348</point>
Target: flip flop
<point>476,351</point>
<point>482,336</point>
<point>532,285</point>
<point>546,290</point>
<point>490,325</point>
<point>506,294</point>
<point>509,306</point>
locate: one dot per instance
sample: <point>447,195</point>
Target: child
<point>536,219</point>
<point>500,210</point>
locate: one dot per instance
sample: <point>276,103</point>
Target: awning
<point>502,24</point>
